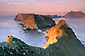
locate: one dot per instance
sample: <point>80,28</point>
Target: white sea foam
<point>39,30</point>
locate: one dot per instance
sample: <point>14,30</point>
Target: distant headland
<point>75,14</point>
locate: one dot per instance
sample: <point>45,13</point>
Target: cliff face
<point>32,21</point>
<point>56,32</point>
<point>63,38</point>
<point>75,14</point>
<point>19,17</point>
<point>62,42</point>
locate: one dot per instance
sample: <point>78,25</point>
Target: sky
<point>52,7</point>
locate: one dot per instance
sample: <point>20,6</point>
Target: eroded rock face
<point>32,21</point>
<point>29,22</point>
<point>63,38</point>
<point>75,14</point>
<point>56,32</point>
<point>9,38</point>
<point>63,43</point>
<point>19,17</point>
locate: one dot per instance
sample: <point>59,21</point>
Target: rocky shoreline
<point>62,42</point>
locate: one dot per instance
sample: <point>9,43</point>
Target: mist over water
<point>8,26</point>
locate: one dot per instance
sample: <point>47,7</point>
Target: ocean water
<point>8,26</point>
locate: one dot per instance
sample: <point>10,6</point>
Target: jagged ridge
<point>67,44</point>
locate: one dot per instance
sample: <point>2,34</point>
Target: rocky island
<point>54,16</point>
<point>33,21</point>
<point>75,14</point>
<point>62,42</point>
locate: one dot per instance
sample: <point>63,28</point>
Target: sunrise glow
<point>59,7</point>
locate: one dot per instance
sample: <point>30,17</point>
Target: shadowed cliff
<point>33,21</point>
<point>62,42</point>
<point>75,14</point>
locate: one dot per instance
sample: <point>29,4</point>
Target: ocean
<point>8,26</point>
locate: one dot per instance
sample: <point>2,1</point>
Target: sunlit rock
<point>62,42</point>
<point>9,38</point>
<point>47,31</point>
<point>19,17</point>
<point>56,32</point>
<point>33,21</point>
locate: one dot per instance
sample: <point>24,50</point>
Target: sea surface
<point>8,26</point>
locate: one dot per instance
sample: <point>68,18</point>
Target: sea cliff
<point>62,42</point>
<point>33,21</point>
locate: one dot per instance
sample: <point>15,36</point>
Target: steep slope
<point>16,47</point>
<point>33,21</point>
<point>62,42</point>
<point>19,17</point>
<point>75,14</point>
<point>57,32</point>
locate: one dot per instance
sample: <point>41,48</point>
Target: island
<point>54,16</point>
<point>75,14</point>
<point>33,21</point>
<point>62,41</point>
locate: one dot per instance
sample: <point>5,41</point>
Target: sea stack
<point>75,14</point>
<point>33,21</point>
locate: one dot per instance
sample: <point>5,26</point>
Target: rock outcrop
<point>9,38</point>
<point>19,17</point>
<point>52,16</point>
<point>75,14</point>
<point>62,42</point>
<point>16,47</point>
<point>63,38</point>
<point>32,21</point>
